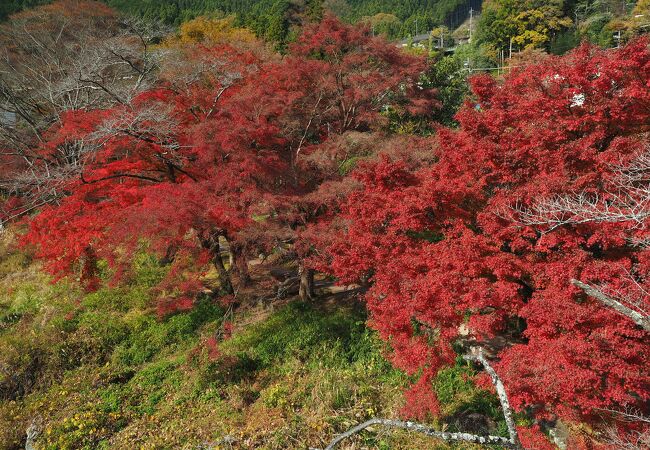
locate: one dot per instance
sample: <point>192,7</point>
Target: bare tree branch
<point>635,439</point>
<point>626,201</point>
<point>640,319</point>
<point>510,442</point>
<point>412,426</point>
<point>478,356</point>
<point>51,64</point>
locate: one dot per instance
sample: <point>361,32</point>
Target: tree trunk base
<point>306,289</point>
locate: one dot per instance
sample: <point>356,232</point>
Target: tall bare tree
<point>625,201</point>
<point>68,56</point>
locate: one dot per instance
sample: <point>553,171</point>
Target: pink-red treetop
<point>444,252</point>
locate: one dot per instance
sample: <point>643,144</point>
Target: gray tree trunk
<point>306,289</point>
<point>211,244</point>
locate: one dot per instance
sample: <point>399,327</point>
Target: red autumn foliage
<point>439,245</point>
<point>234,145</point>
<point>224,136</point>
<point>212,346</point>
<point>534,438</point>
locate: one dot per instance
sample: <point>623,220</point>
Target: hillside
<point>104,370</point>
<point>556,26</point>
<point>251,12</point>
<point>293,232</point>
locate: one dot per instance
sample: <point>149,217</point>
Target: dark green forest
<point>555,26</point>
<point>413,15</point>
<point>8,7</point>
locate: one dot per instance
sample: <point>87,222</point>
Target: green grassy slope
<point>101,370</point>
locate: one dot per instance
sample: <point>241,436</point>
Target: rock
<point>33,431</point>
<point>560,435</point>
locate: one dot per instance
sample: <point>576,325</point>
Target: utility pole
<point>416,27</point>
<point>471,20</point>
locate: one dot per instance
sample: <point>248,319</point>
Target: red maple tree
<point>523,231</point>
<point>453,255</point>
<point>225,134</point>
